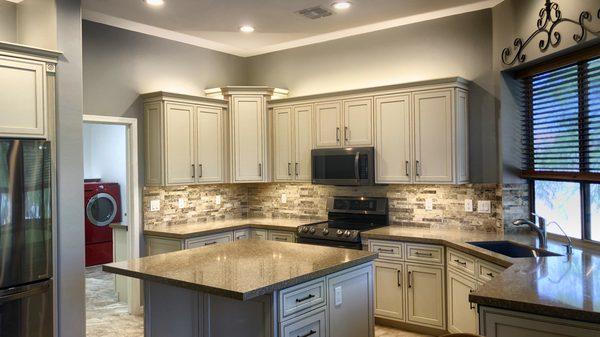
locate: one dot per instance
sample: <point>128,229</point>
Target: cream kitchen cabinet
<point>184,139</point>
<point>292,143</point>
<point>425,295</point>
<point>26,93</point>
<point>248,130</point>
<point>393,149</point>
<point>389,290</point>
<point>462,315</point>
<point>344,123</point>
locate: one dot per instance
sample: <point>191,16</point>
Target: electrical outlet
<point>484,206</point>
<point>218,200</point>
<point>154,205</point>
<point>283,198</point>
<point>338,296</point>
<point>468,205</point>
<point>181,203</point>
<point>428,204</point>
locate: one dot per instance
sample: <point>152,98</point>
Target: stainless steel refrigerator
<point>25,239</point>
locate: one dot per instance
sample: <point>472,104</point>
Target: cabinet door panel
<point>389,290</point>
<point>425,295</point>
<point>209,144</point>
<point>248,138</point>
<point>394,136</point>
<point>22,98</point>
<point>462,315</point>
<point>328,117</point>
<point>358,122</point>
<point>179,134</point>
<point>302,142</point>
<point>433,136</point>
<point>282,144</point>
<point>153,144</point>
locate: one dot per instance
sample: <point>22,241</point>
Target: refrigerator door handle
<point>15,293</point>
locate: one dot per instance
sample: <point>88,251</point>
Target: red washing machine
<point>102,204</point>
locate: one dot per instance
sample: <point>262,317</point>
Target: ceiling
<point>215,24</point>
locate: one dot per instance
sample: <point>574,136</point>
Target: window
<point>561,157</point>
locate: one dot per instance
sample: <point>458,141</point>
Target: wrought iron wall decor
<point>550,17</point>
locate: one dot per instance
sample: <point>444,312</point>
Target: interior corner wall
<point>459,45</point>
<point>8,21</point>
<point>36,23</point>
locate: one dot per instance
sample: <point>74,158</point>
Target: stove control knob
<point>347,233</point>
<point>339,232</point>
<point>304,229</point>
<point>312,230</point>
<point>325,231</point>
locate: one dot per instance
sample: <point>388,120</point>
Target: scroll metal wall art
<point>549,18</point>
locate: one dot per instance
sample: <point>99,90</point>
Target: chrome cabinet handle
<point>201,171</point>
<point>410,279</point>
<point>418,168</point>
<point>471,304</point>
<point>490,275</point>
<point>399,276</point>
<point>337,134</point>
<point>346,133</point>
<point>460,262</point>
<point>300,300</point>
<point>310,333</point>
<point>193,171</point>
<point>289,169</point>
<point>406,165</point>
<point>385,250</point>
<point>260,169</point>
<point>210,243</point>
<point>418,253</point>
<point>296,169</point>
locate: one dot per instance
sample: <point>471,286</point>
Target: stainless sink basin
<point>512,249</point>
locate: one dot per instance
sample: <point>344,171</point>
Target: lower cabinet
<point>389,290</point>
<point>258,234</point>
<point>282,236</point>
<point>425,295</point>
<point>462,314</point>
<point>209,240</point>
<point>313,324</point>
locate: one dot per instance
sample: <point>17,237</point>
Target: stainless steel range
<point>347,218</point>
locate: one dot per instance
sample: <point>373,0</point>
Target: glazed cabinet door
<point>389,290</point>
<point>283,168</point>
<point>328,117</point>
<point>179,135</point>
<point>425,295</point>
<point>394,139</point>
<point>462,314</point>
<point>302,142</point>
<point>209,144</point>
<point>433,136</point>
<point>358,122</point>
<point>23,93</point>
<point>248,138</point>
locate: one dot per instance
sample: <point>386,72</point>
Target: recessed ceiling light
<point>342,4</point>
<point>154,2</point>
<point>246,29</point>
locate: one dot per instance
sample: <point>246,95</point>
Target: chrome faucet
<point>540,230</point>
<point>569,245</point>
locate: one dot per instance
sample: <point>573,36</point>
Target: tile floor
<point>105,317</point>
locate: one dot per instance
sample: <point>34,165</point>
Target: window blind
<point>561,123</point>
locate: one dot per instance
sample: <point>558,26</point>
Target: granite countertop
<point>556,286</point>
<point>184,231</point>
<point>242,269</point>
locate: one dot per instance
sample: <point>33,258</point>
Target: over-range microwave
<point>351,166</point>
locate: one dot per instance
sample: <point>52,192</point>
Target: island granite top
<point>557,286</point>
<point>242,269</point>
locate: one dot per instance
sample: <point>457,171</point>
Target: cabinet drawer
<point>462,262</point>
<point>241,234</point>
<point>281,236</point>
<point>487,271</point>
<point>258,234</point>
<point>424,253</point>
<point>387,249</point>
<point>302,298</point>
<point>208,240</point>
<point>312,324</point>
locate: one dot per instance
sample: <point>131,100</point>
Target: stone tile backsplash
<point>407,203</point>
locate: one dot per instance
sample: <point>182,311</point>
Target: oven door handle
<point>356,171</point>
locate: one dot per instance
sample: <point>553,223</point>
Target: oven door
<point>345,167</point>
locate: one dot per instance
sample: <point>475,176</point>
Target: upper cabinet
<point>292,143</point>
<point>328,123</point>
<point>344,123</point>
<point>25,92</point>
<point>248,130</point>
<point>184,139</point>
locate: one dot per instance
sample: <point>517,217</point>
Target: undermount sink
<point>512,249</point>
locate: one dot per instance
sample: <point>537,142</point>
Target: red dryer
<point>102,204</point>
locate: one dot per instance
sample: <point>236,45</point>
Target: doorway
<point>113,220</point>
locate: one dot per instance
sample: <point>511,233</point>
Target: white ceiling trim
<point>204,43</point>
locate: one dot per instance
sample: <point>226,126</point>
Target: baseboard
<point>410,327</point>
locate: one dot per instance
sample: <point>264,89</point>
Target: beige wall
<point>454,46</point>
<point>36,23</point>
<point>8,21</point>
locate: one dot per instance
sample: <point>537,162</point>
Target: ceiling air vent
<point>315,12</point>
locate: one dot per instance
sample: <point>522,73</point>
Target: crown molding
<point>225,48</point>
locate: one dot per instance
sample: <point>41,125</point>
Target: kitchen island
<point>256,288</point>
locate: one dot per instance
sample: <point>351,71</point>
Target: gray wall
<point>454,46</point>
<point>70,232</point>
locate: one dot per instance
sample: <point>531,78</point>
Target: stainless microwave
<point>346,167</point>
